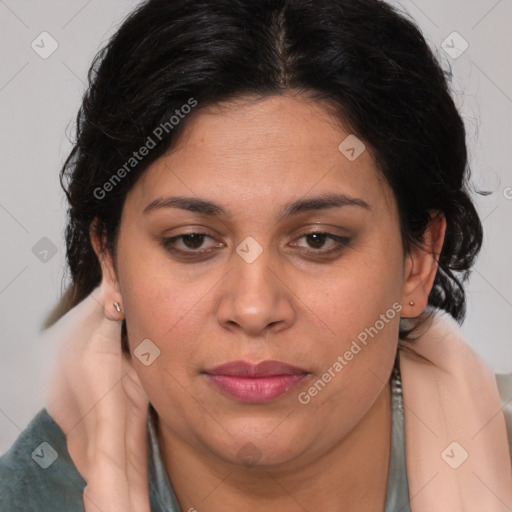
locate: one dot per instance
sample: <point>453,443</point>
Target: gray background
<point>39,99</point>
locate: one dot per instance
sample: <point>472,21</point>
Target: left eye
<point>317,241</point>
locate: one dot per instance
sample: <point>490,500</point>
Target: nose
<point>255,298</point>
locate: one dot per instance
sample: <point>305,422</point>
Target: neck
<point>351,476</point>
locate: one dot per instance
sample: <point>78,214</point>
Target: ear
<point>111,294</point>
<point>421,267</point>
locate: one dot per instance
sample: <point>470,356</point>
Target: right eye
<point>190,244</point>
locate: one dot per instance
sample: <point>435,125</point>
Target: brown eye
<point>318,240</point>
<point>189,244</point>
<point>193,240</point>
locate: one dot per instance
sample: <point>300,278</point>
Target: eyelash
<point>341,242</point>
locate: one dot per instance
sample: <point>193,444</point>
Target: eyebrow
<point>293,208</point>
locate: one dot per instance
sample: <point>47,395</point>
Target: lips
<point>255,383</point>
<point>263,369</point>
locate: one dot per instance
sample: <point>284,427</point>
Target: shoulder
<point>504,382</point>
<point>37,473</point>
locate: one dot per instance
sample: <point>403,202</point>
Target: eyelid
<point>166,242</point>
<point>340,241</point>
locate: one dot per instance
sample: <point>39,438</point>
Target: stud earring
<point>411,303</point>
<point>117,306</point>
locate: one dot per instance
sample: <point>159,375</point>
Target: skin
<point>252,158</point>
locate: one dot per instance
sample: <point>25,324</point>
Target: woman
<point>269,230</point>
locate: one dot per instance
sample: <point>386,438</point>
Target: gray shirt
<point>37,472</point>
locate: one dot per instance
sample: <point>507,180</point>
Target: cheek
<point>360,306</point>
<point>353,295</point>
<point>172,315</point>
<point>165,311</point>
<point>356,368</point>
<point>160,301</point>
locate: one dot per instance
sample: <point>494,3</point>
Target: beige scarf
<point>457,450</point>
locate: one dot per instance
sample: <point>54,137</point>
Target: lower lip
<point>255,390</point>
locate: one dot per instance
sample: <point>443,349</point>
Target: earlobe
<point>421,266</point>
<point>111,295</point>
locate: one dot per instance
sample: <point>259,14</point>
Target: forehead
<point>264,151</point>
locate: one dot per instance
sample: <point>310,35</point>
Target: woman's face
<point>257,180</point>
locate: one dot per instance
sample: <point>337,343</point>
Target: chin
<point>259,446</point>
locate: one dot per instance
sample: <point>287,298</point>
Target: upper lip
<point>267,368</point>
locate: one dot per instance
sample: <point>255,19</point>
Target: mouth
<point>255,383</point>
